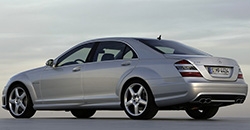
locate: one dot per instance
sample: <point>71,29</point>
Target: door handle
<point>78,68</point>
<point>126,63</point>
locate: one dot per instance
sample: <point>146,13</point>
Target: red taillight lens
<point>186,69</point>
<point>191,74</point>
<point>182,62</point>
<point>240,75</point>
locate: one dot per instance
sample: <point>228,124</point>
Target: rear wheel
<point>19,102</point>
<point>205,113</point>
<point>83,113</point>
<point>138,101</point>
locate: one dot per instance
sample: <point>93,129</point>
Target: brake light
<point>186,69</point>
<point>240,75</point>
<point>182,62</point>
<point>191,74</point>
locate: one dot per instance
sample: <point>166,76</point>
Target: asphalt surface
<point>97,123</point>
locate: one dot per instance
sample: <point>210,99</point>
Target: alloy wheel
<point>135,99</point>
<point>138,101</point>
<point>18,101</point>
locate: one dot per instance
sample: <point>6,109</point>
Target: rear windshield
<point>171,47</point>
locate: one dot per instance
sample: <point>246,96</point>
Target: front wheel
<point>138,101</point>
<point>19,102</point>
<point>204,113</point>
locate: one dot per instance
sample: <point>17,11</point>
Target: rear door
<point>112,61</point>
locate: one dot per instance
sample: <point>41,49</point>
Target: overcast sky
<point>32,31</point>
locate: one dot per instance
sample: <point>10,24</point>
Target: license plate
<point>219,71</point>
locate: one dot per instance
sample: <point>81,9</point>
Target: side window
<point>129,53</point>
<point>112,50</point>
<point>78,55</point>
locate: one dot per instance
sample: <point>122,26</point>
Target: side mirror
<point>50,63</point>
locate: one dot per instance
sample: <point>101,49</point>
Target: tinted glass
<point>171,47</point>
<point>111,50</point>
<point>76,56</point>
<point>129,53</point>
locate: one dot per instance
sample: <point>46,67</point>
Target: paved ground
<point>97,123</point>
<point>117,120</point>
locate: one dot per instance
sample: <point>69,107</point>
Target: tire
<point>19,102</point>
<point>79,113</point>
<point>138,100</point>
<point>205,113</point>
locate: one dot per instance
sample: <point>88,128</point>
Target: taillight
<point>240,75</point>
<point>186,69</point>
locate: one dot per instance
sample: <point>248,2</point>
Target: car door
<point>62,85</point>
<point>112,61</point>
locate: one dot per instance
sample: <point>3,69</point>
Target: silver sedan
<point>137,75</point>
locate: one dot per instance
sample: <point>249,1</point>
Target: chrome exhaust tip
<point>239,100</point>
<point>205,100</point>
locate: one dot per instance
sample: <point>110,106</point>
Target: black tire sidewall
<point>79,113</point>
<point>208,112</point>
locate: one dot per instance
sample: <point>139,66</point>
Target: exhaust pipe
<point>239,100</point>
<point>205,100</point>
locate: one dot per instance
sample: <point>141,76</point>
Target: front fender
<point>23,78</point>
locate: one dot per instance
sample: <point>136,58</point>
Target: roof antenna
<point>159,38</point>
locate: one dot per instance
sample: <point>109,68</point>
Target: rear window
<point>171,47</point>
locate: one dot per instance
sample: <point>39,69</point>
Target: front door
<point>62,85</point>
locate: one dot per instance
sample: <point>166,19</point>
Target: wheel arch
<point>128,82</point>
<point>139,73</point>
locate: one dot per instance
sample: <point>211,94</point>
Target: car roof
<point>119,38</point>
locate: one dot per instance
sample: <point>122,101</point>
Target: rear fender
<point>139,73</point>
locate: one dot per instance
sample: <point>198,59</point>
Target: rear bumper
<point>218,92</point>
<point>191,91</point>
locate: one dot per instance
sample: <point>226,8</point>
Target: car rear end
<point>195,81</point>
<point>213,80</point>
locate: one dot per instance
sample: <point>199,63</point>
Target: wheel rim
<point>18,101</point>
<point>135,99</point>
